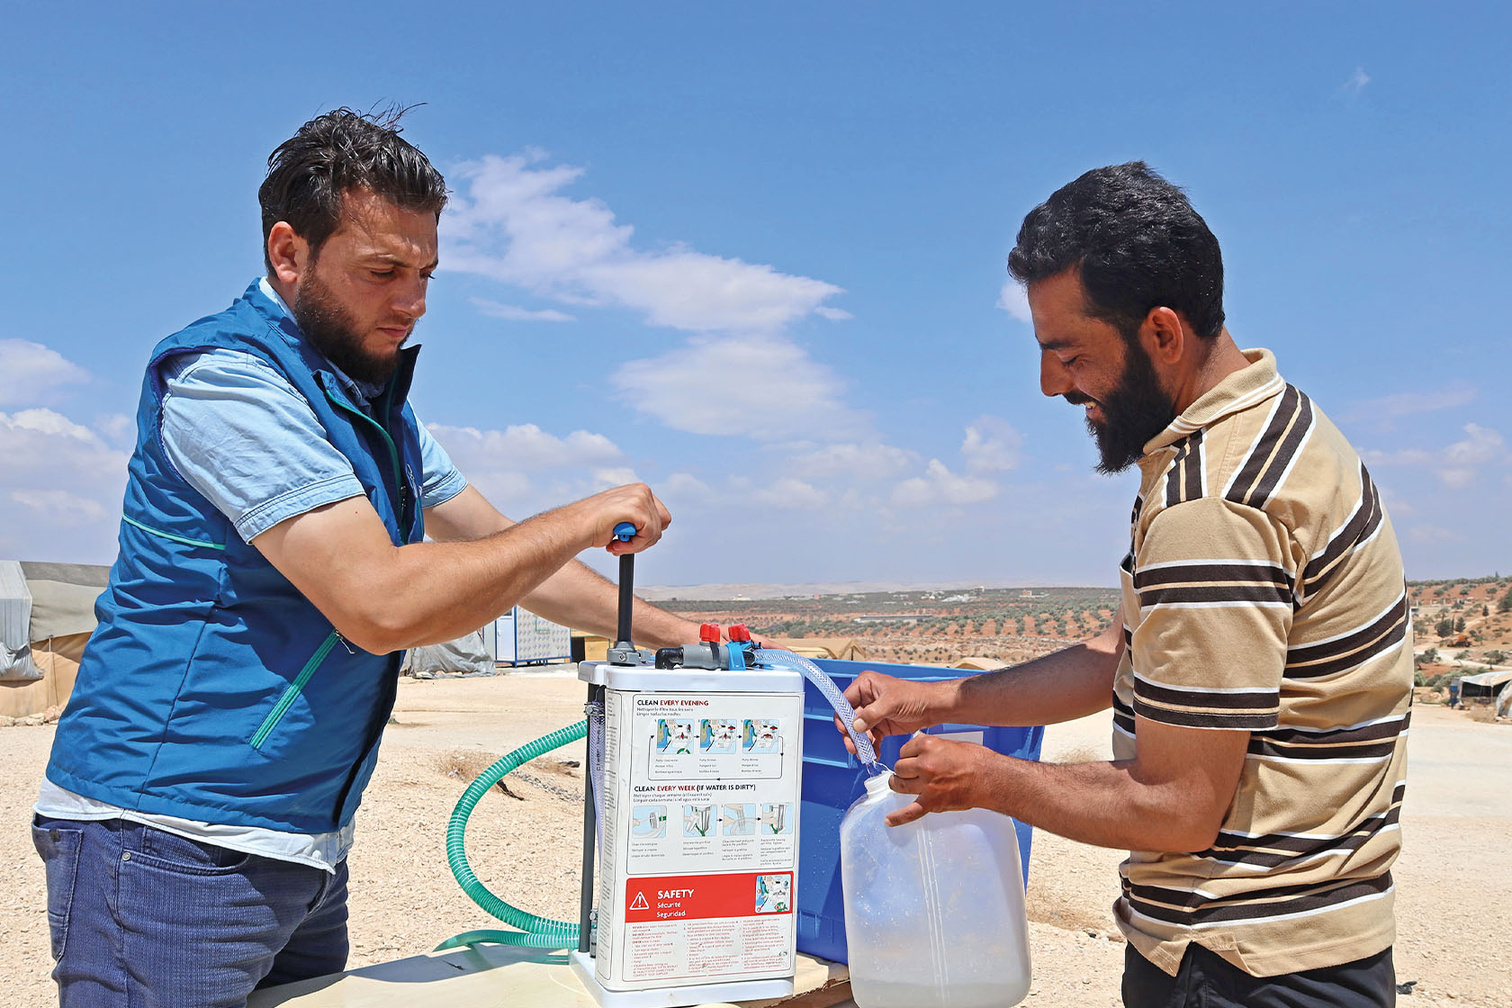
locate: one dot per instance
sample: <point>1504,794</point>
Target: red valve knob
<point>738,632</point>
<point>708,633</point>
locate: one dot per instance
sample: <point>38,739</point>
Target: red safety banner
<point>700,897</point>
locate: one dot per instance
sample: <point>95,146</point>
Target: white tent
<point>46,617</point>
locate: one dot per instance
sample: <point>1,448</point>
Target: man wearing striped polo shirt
<point>1260,672</point>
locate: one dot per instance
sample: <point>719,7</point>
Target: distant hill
<point>751,590</point>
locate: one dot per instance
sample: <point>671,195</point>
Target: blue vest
<point>212,689</point>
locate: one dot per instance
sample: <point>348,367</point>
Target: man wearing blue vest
<point>198,806</point>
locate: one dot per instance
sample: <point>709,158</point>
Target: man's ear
<point>1165,336</point>
<point>289,254</point>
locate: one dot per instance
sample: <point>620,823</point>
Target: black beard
<point>1133,413</point>
<point>331,329</point>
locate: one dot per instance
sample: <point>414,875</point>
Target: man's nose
<point>1055,378</point>
<point>409,300</point>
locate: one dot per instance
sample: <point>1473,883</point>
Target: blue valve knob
<point>624,531</point>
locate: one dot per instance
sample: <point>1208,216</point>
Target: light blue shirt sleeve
<point>441,480</point>
<point>242,436</point>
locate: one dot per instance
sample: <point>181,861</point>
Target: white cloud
<point>614,476</point>
<point>62,486</point>
<point>118,429</point>
<point>763,387</point>
<point>683,487</point>
<point>513,224</point>
<point>863,461</point>
<point>29,428</point>
<point>62,507</point>
<point>939,485</point>
<point>1013,300</point>
<point>523,469</point>
<point>1465,459</point>
<point>789,494</point>
<point>514,313</point>
<point>523,448</point>
<point>1456,465</point>
<point>1430,535</point>
<point>1397,505</point>
<point>1407,403</point>
<point>1404,456</point>
<point>1356,82</point>
<point>992,445</point>
<point>1383,411</point>
<point>30,372</point>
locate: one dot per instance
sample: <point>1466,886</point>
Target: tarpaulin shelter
<point>1493,686</point>
<point>1484,685</point>
<point>46,617</point>
<point>464,656</point>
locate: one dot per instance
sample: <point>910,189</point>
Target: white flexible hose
<point>814,674</point>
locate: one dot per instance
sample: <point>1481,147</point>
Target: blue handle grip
<point>624,531</point>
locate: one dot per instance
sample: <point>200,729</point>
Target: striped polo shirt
<point>1264,592</point>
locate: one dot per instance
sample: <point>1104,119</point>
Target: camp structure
<point>980,663</point>
<point>46,617</point>
<point>843,648</point>
<point>587,647</point>
<point>1495,687</point>
<point>469,655</point>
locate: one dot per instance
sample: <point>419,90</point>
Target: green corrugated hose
<point>538,932</point>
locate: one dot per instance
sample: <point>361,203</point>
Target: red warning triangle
<point>639,903</point>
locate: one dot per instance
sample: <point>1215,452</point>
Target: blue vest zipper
<point>292,691</point>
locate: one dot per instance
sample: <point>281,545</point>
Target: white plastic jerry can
<point>934,909</point>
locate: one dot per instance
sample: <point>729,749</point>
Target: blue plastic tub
<point>833,780</point>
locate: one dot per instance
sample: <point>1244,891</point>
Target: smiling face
<point>358,299</point>
<point>1088,362</point>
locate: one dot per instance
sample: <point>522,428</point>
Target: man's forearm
<point>1105,804</point>
<point>1068,684</point>
<point>423,605</point>
<point>578,597</point>
<point>1172,796</point>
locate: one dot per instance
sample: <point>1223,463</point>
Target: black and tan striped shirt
<point>1264,592</point>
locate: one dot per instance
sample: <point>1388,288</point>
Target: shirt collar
<point>272,295</point>
<point>363,392</point>
<point>1239,391</point>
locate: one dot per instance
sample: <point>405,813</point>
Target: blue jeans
<point>145,918</point>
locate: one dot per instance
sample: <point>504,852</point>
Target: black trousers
<point>1207,980</point>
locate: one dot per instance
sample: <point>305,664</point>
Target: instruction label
<point>704,841</point>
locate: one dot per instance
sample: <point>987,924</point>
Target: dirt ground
<point>1454,879</point>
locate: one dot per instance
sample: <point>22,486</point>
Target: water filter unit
<point>693,751</point>
<point>697,834</point>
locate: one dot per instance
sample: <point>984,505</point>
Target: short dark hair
<point>1137,243</point>
<point>333,154</point>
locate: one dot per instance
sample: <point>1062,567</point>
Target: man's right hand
<point>633,503</point>
<point>886,705</point>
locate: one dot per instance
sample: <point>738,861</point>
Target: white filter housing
<point>699,843</point>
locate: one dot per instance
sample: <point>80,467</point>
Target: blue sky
<point>755,256</point>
